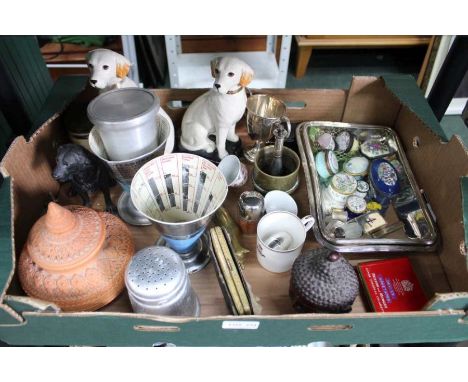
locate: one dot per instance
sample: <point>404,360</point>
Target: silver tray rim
<point>368,244</point>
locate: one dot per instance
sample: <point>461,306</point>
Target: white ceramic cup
<point>233,170</point>
<point>280,201</point>
<point>275,260</point>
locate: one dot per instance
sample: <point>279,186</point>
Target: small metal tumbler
<point>157,283</point>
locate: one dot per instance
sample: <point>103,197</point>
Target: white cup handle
<point>308,222</point>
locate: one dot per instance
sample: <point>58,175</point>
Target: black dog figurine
<point>86,173</point>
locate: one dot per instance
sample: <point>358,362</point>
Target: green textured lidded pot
<point>323,282</point>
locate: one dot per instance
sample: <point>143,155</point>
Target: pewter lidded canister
<point>126,121</point>
<point>158,283</point>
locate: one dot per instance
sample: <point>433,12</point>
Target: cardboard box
<point>438,166</point>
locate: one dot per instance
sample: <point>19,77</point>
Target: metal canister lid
<point>326,141</point>
<point>122,105</point>
<point>155,273</point>
<point>384,177</point>
<point>362,187</point>
<point>356,166</point>
<point>356,204</point>
<point>344,141</point>
<point>398,167</point>
<point>343,183</point>
<point>375,147</point>
<point>331,161</point>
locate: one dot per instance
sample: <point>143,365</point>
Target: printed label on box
<point>250,325</point>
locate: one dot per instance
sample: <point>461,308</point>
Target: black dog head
<point>71,159</point>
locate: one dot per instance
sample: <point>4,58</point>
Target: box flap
<point>464,192</point>
<point>437,159</point>
<point>8,317</point>
<point>405,88</point>
<point>370,102</point>
<point>397,101</point>
<point>21,304</point>
<point>445,301</point>
<point>32,183</point>
<point>438,168</point>
<point>7,259</point>
<point>377,101</point>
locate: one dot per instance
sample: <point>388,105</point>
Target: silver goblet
<point>264,112</point>
<point>125,170</point>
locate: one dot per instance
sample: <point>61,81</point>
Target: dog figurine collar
<point>230,92</point>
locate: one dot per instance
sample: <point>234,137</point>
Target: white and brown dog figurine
<point>217,111</point>
<point>109,70</point>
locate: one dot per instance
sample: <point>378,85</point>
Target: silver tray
<point>400,241</point>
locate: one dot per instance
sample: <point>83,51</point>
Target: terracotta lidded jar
<point>76,257</point>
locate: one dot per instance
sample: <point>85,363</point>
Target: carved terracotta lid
<point>76,257</point>
<point>66,237</point>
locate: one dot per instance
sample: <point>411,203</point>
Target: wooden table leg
<point>425,63</point>
<point>303,57</point>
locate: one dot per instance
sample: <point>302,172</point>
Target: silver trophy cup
<point>264,113</point>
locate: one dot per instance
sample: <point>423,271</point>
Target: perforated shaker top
<point>155,273</point>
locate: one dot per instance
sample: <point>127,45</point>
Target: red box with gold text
<point>392,285</point>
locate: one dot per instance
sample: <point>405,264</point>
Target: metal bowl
<point>264,182</point>
<point>124,171</point>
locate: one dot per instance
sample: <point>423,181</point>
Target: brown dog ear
<point>122,65</point>
<point>247,75</point>
<point>245,79</point>
<point>214,63</point>
<point>122,70</point>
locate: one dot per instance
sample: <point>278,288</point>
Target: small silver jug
<point>157,283</point>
